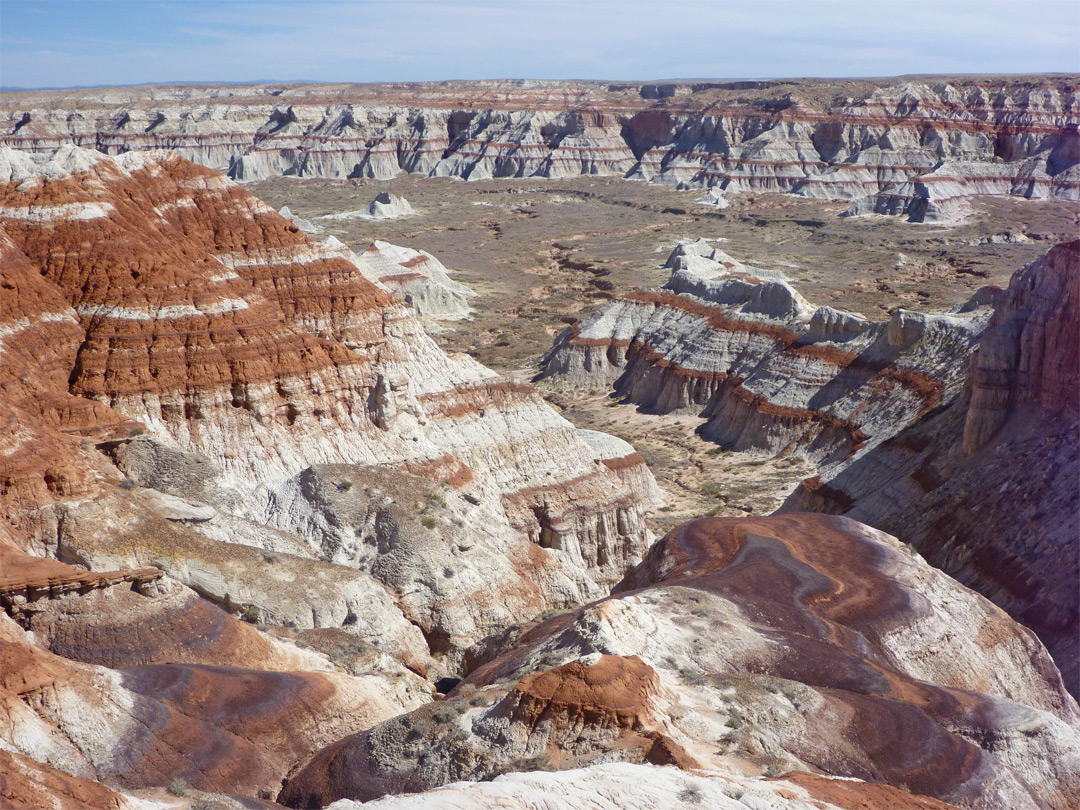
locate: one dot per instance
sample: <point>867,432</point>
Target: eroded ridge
<point>185,368</point>
<point>918,148</point>
<point>784,645</point>
<point>766,370</point>
<point>987,488</point>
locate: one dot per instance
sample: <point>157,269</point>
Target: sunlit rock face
<point>742,647</point>
<point>163,326</point>
<point>765,369</point>
<point>919,150</point>
<point>956,431</point>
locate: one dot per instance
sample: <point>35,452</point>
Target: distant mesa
<point>919,149</point>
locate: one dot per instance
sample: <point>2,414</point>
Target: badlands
<point>541,445</point>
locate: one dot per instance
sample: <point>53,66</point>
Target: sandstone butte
<point>253,513</point>
<point>908,146</point>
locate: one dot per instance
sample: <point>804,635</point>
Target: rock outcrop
<point>765,369</point>
<point>780,645</point>
<point>419,277</point>
<point>389,206</point>
<point>192,387</point>
<point>987,487</point>
<point>622,786</point>
<point>898,146</point>
<point>129,679</point>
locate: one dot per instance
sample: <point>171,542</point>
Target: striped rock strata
<point>987,487</point>
<point>126,679</point>
<point>795,645</point>
<point>900,147</point>
<point>419,277</point>
<point>288,402</point>
<point>765,369</point>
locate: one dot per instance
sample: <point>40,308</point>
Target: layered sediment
<point>198,396</point>
<point>986,488</point>
<point>916,148</point>
<point>822,669</point>
<point>766,370</point>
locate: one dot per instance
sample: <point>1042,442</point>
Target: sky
<point>45,43</point>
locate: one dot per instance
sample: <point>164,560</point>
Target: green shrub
<point>429,522</point>
<point>344,486</point>
<point>178,787</point>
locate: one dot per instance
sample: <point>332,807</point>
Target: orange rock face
<point>159,323</point>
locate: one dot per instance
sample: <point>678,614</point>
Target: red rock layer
<point>836,607</point>
<point>575,713</point>
<point>29,785</point>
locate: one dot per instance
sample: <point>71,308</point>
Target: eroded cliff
<point>917,148</point>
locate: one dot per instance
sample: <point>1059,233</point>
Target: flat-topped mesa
<point>767,370</point>
<point>774,645</point>
<point>987,489</point>
<point>250,356</point>
<point>888,149</point>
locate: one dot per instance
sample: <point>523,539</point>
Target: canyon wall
<point>955,431</point>
<point>766,370</point>
<point>917,148</point>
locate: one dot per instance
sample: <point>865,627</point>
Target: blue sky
<point>64,44</point>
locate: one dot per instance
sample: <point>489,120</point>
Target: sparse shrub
<point>136,431</point>
<point>448,573</point>
<point>443,714</point>
<point>428,522</point>
<point>735,720</point>
<point>251,615</point>
<point>715,451</point>
<point>731,791</point>
<point>127,483</point>
<point>178,787</point>
<point>711,489</point>
<point>690,676</point>
<point>692,794</point>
